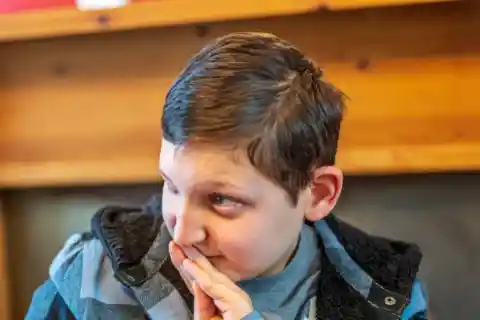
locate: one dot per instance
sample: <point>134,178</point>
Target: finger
<point>187,279</point>
<point>194,255</point>
<point>217,277</point>
<point>203,308</point>
<point>216,290</point>
<point>225,298</point>
<point>176,254</point>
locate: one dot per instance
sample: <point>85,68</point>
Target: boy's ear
<point>325,189</point>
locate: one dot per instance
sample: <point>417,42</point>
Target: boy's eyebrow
<point>215,183</point>
<point>165,177</point>
<point>236,190</point>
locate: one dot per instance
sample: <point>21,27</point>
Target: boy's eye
<point>217,199</point>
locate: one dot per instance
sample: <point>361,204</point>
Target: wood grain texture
<point>5,311</point>
<point>69,21</point>
<point>86,110</point>
<point>358,4</point>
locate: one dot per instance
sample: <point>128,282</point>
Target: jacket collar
<point>379,272</point>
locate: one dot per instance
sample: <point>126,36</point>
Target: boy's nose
<point>189,230</point>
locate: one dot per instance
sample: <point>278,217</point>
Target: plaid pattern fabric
<point>82,275</point>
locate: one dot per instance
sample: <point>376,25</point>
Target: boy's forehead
<point>199,164</point>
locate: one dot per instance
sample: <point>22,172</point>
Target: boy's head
<point>250,136</point>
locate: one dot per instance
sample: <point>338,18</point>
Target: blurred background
<point>81,96</point>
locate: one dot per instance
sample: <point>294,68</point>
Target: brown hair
<point>258,92</point>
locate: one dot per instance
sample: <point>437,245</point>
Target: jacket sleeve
<point>47,303</point>
<point>417,309</point>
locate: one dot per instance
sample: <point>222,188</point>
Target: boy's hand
<point>215,294</point>
<point>177,256</point>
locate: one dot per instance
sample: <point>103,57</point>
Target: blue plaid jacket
<point>121,270</point>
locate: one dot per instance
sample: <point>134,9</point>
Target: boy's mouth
<point>208,255</point>
<point>196,251</point>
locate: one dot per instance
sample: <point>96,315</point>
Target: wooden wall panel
<point>355,4</point>
<point>70,21</point>
<point>86,110</point>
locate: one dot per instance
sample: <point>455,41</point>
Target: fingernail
<point>192,253</point>
<point>187,266</point>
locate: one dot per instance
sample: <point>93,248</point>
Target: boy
<point>243,229</point>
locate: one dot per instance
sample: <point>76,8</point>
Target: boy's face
<point>233,215</point>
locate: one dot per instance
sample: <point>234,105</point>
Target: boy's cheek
<point>170,222</point>
<point>169,212</point>
<point>243,254</point>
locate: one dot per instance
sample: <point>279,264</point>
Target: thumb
<point>203,308</point>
